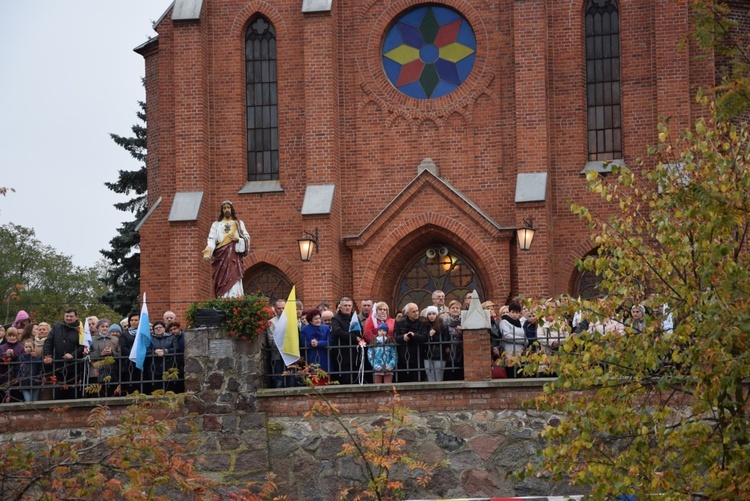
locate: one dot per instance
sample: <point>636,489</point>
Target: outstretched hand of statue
<point>207,254</point>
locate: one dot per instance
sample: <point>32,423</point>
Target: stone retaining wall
<point>479,427</point>
<point>239,431</point>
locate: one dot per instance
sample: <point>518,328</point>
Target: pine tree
<point>124,257</point>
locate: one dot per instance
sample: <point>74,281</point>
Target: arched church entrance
<point>437,267</point>
<point>267,280</point>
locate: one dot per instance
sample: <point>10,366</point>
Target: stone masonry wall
<point>483,448</point>
<point>480,427</point>
<point>238,430</point>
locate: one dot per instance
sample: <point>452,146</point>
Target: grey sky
<point>69,77</point>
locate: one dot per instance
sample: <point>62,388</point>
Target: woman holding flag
<point>380,315</point>
<point>317,338</point>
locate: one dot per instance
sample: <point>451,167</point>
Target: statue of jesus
<point>228,242</point>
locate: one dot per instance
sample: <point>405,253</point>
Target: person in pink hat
<point>22,318</point>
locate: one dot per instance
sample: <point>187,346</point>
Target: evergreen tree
<point>124,258</point>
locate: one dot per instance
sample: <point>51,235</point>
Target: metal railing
<point>34,380</point>
<point>433,361</point>
<point>352,363</point>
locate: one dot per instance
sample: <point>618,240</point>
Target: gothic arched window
<point>603,80</point>
<point>438,268</point>
<point>262,104</point>
<point>586,283</point>
<point>268,281</point>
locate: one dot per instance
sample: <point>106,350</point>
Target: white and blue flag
<point>142,337</point>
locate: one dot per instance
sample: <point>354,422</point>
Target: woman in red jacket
<point>380,315</point>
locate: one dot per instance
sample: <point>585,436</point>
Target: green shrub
<point>246,317</point>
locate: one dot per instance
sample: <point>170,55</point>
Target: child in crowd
<point>10,352</point>
<point>455,361</point>
<point>382,356</point>
<point>437,349</point>
<point>30,371</point>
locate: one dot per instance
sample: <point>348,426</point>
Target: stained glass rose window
<point>429,52</point>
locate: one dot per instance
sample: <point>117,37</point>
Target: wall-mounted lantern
<point>526,234</point>
<point>306,245</point>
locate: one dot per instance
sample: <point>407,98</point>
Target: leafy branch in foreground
<point>662,407</point>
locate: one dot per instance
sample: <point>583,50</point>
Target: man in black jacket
<point>345,355</point>
<point>410,333</point>
<point>63,350</point>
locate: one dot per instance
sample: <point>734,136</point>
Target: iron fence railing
<point>33,380</point>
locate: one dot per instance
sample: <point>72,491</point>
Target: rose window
<point>429,52</point>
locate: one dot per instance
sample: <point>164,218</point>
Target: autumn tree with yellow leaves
<point>662,409</point>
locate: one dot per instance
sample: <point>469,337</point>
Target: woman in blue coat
<point>317,338</point>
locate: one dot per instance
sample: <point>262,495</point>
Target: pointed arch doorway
<point>436,267</point>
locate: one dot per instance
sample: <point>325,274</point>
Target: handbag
<point>499,372</point>
<point>209,317</point>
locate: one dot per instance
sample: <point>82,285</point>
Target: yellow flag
<point>81,334</point>
<point>286,332</point>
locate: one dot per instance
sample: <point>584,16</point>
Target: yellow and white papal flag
<point>286,334</point>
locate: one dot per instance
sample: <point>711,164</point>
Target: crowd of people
<point>372,346</point>
<point>87,358</point>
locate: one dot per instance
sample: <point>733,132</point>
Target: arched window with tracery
<point>604,115</point>
<point>586,284</point>
<point>262,102</point>
<point>268,281</point>
<point>437,268</point>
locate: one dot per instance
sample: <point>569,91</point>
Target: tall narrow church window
<point>262,103</point>
<point>603,80</point>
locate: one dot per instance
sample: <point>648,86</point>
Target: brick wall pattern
<point>521,110</point>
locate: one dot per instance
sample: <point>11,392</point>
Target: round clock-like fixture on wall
<point>429,51</point>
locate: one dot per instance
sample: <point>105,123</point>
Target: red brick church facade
<point>386,178</point>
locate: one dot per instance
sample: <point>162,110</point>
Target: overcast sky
<point>69,77</point>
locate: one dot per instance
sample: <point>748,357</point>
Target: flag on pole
<point>142,337</point>
<point>371,322</point>
<point>354,325</point>
<point>87,339</point>
<point>84,336</point>
<point>81,334</point>
<point>286,334</point>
